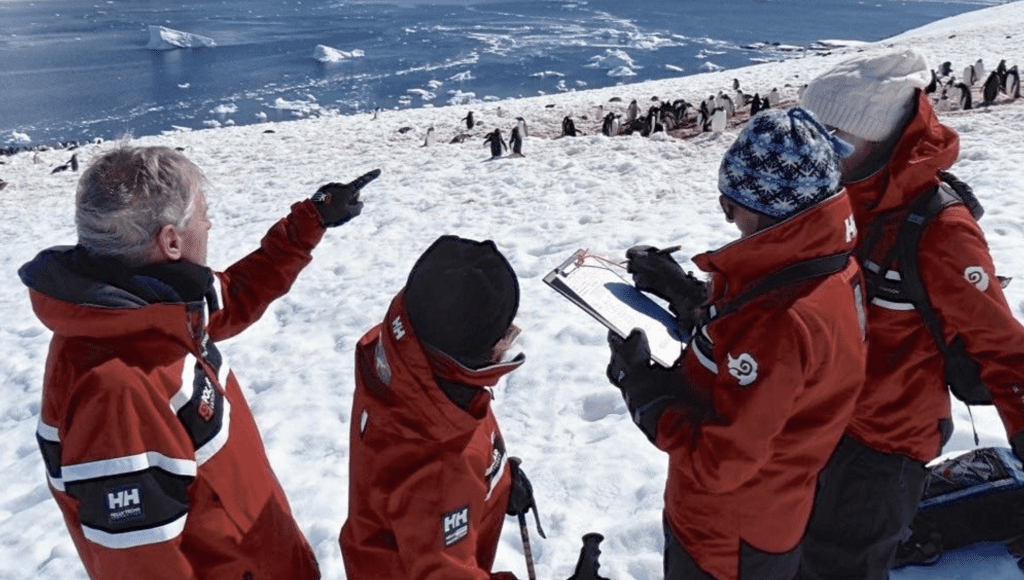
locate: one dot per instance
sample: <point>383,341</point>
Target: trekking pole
<point>527,552</point>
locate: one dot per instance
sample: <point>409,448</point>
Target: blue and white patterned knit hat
<point>783,162</point>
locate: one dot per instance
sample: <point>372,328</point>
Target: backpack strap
<point>963,375</point>
<point>906,286</point>
<point>792,274</point>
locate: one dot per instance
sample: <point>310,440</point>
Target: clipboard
<point>598,286</point>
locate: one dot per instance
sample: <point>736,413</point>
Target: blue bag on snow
<point>974,497</point>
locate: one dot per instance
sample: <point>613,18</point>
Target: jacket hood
<point>925,148</point>
<point>76,294</point>
<point>407,372</point>
<point>822,230</point>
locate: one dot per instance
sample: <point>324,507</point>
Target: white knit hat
<point>868,97</point>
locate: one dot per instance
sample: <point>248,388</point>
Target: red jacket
<point>905,400</point>
<point>151,450</point>
<point>428,480</point>
<point>782,373</point>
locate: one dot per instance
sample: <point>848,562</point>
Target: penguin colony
<point>950,93</point>
<point>976,88</point>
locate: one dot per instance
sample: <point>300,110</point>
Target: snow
<point>163,38</point>
<point>592,470</point>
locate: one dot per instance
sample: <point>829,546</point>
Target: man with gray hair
<point>150,448</point>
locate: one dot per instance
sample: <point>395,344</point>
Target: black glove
<point>339,202</point>
<point>647,388</point>
<point>657,272</point>
<point>520,498</point>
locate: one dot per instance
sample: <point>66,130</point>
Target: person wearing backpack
<point>759,399</point>
<point>869,492</point>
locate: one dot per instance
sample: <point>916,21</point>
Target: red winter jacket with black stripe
<point>782,373</point>
<point>905,406</point>
<point>150,448</point>
<point>428,479</point>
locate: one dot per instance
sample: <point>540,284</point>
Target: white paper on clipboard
<point>598,287</point>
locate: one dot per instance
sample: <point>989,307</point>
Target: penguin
<point>773,98</point>
<point>610,125</point>
<point>431,139</point>
<point>945,69</point>
<point>632,111</point>
<point>3,184</point>
<point>755,104</point>
<point>521,125</point>
<point>969,78</point>
<point>703,117</point>
<point>942,104</point>
<point>71,164</point>
<point>979,70</point>
<point>497,143</point>
<point>725,101</point>
<point>965,96</point>
<point>568,127</point>
<point>990,90</point>
<point>933,84</point>
<point>679,107</point>
<point>1012,84</point>
<point>459,138</point>
<point>469,120</point>
<point>652,124</point>
<point>735,84</point>
<point>515,140</point>
<point>1001,71</point>
<point>718,118</point>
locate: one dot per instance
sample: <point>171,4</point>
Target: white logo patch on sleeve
<point>744,368</point>
<point>124,504</point>
<point>455,525</point>
<point>978,276</point>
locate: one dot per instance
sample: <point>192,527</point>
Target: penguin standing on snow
<point>430,140</point>
<point>521,125</point>
<point>568,127</point>
<point>1011,86</point>
<point>945,69</point>
<point>718,119</point>
<point>469,120</point>
<point>933,84</point>
<point>969,77</point>
<point>496,142</point>
<point>632,111</point>
<point>965,96</point>
<point>610,125</point>
<point>990,90</point>
<point>755,104</point>
<point>515,140</point>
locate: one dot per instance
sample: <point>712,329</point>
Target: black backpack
<point>963,374</point>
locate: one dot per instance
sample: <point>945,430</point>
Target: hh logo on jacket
<point>124,504</point>
<point>455,525</point>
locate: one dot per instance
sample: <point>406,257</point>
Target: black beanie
<point>461,298</point>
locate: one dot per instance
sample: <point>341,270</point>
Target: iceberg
<point>327,54</point>
<point>162,38</point>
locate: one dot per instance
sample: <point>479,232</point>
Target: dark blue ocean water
<point>72,69</point>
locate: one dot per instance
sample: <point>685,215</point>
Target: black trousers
<point>753,565</point>
<point>865,503</point>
